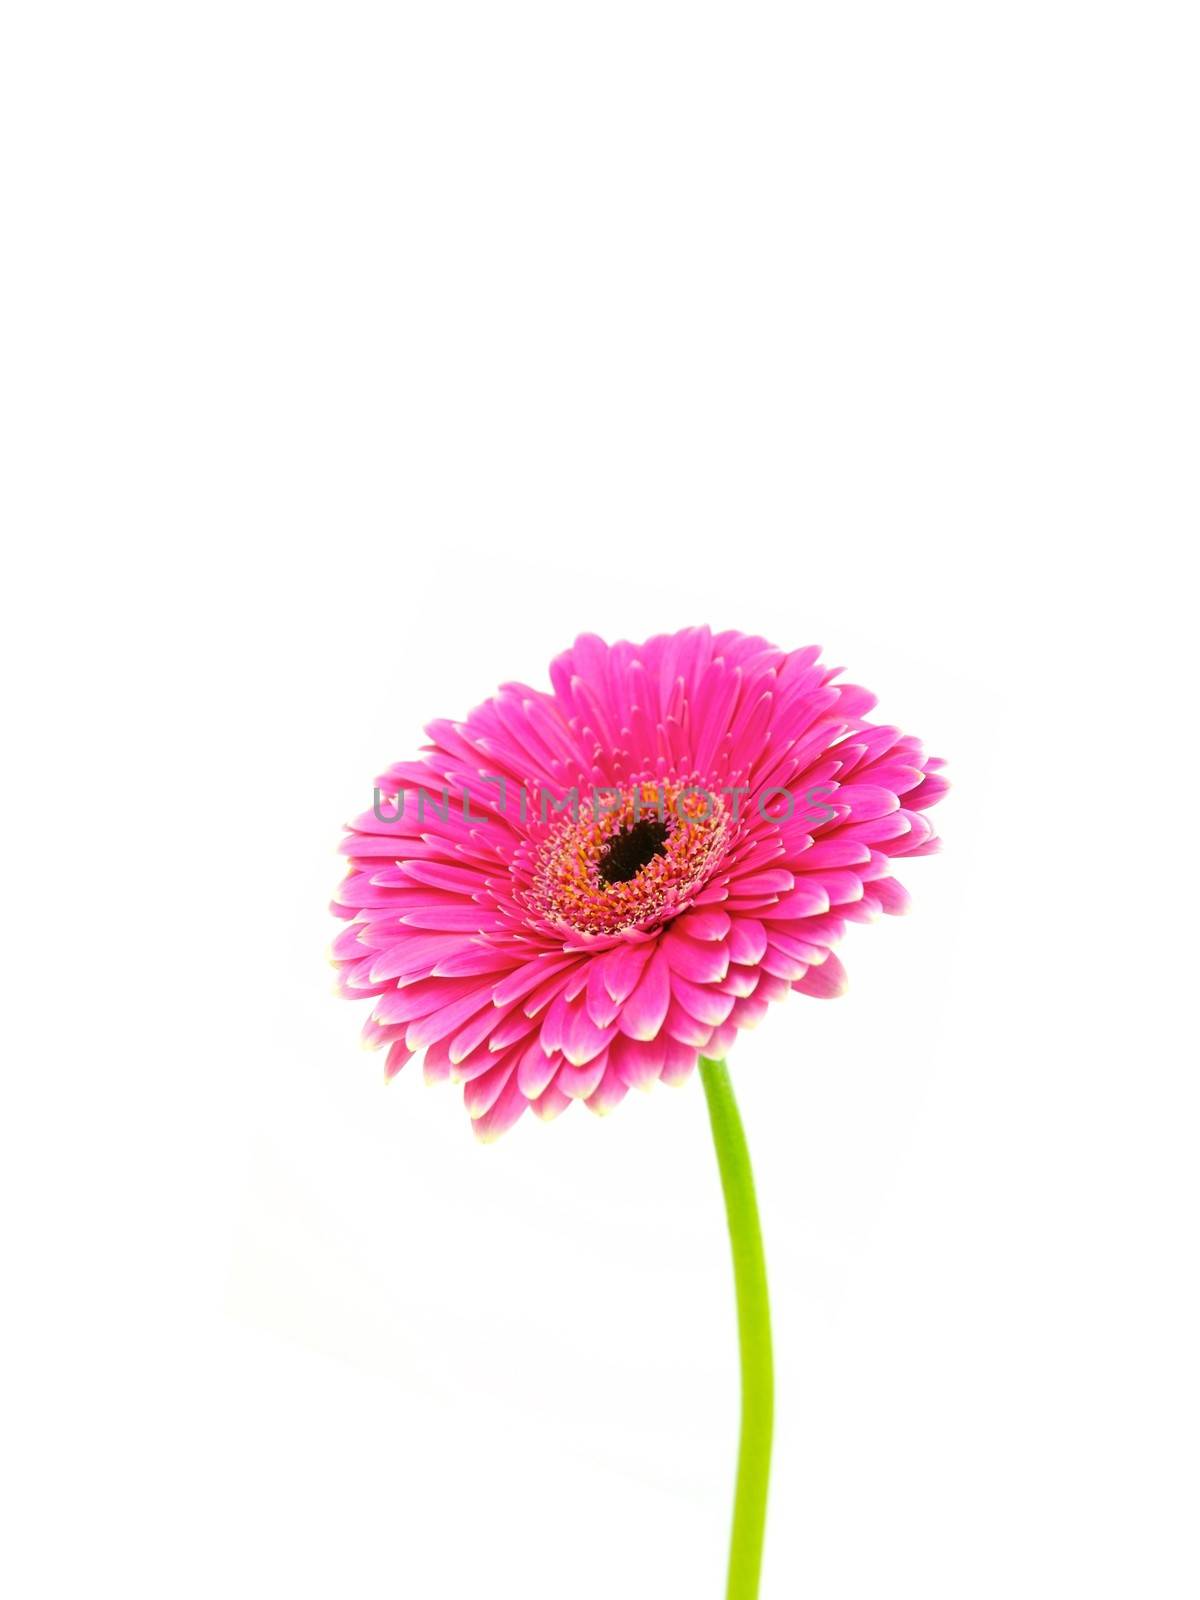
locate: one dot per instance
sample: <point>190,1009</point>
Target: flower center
<point>626,853</point>
<point>631,860</point>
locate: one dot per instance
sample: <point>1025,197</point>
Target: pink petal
<point>640,1062</point>
<point>705,962</point>
<point>807,899</point>
<point>611,1091</point>
<point>579,1082</point>
<point>481,1093</point>
<point>679,1062</point>
<point>508,1108</point>
<point>825,982</point>
<point>536,1069</point>
<point>893,896</point>
<point>706,1004</point>
<point>397,1055</point>
<point>624,966</point>
<point>646,1008</point>
<point>686,1028</point>
<point>584,1041</point>
<point>707,923</point>
<point>747,941</point>
<point>551,1103</point>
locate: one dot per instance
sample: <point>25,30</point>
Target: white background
<point>354,359</point>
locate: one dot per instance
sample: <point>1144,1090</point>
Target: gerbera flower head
<point>576,892</point>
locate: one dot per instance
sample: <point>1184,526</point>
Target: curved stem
<point>754,1333</point>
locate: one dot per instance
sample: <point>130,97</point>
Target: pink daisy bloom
<point>574,893</point>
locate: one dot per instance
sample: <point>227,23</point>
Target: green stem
<point>754,1333</point>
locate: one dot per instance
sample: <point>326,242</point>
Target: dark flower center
<point>627,853</point>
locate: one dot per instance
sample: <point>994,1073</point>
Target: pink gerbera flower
<point>573,893</point>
